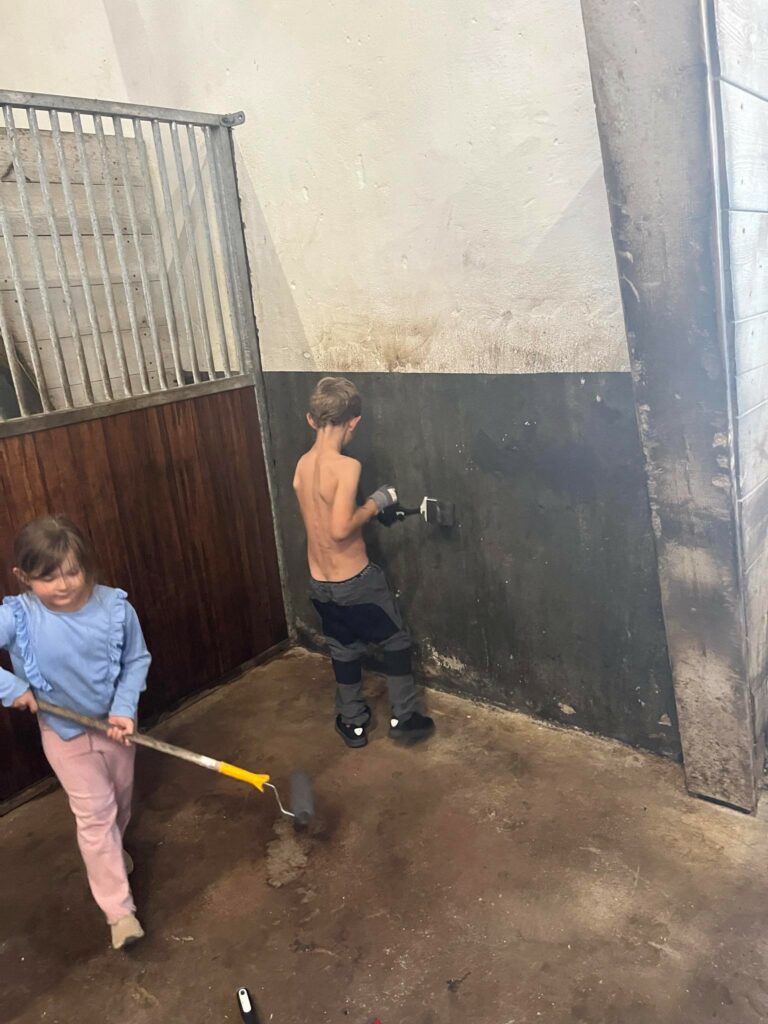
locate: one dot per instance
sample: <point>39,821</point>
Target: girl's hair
<point>43,545</point>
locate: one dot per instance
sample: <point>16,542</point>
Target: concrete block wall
<point>742,48</point>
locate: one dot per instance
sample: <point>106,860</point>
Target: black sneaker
<point>415,727</point>
<point>354,735</point>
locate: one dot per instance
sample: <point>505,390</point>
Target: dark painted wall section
<point>651,84</point>
<point>545,596</point>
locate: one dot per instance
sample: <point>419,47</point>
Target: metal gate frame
<point>217,131</point>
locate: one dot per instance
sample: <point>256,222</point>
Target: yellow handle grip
<point>240,773</point>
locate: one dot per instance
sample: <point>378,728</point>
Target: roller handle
<point>90,723</point>
<point>100,725</point>
<point>140,739</point>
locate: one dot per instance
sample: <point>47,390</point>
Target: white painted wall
<point>421,183</point>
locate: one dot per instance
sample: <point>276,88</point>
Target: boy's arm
<point>346,516</point>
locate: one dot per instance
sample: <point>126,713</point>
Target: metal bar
<point>213,140</point>
<point>37,259</point>
<point>117,231</point>
<point>69,202</point>
<point>101,255</point>
<point>159,251</point>
<point>58,253</point>
<point>85,413</point>
<point>175,253</point>
<point>224,157</point>
<point>189,233</point>
<point>200,189</point>
<point>78,105</point>
<point>29,334</point>
<point>13,360</point>
<point>122,155</point>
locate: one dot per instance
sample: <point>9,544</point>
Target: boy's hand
<point>120,728</point>
<point>26,700</point>
<point>385,496</point>
<point>391,514</point>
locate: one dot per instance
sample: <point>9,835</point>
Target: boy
<point>350,593</point>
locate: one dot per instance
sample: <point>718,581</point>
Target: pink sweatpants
<point>97,776</point>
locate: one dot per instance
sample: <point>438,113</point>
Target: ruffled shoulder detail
<point>20,608</point>
<point>116,640</point>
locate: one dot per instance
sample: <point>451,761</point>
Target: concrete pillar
<point>648,62</point>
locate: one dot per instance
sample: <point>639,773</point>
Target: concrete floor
<point>505,873</point>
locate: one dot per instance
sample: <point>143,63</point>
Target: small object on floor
<point>128,861</point>
<point>126,931</point>
<point>299,813</point>
<point>415,727</point>
<point>354,736</point>
<point>246,1007</point>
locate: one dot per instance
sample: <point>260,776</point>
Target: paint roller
<point>302,806</point>
<point>433,511</point>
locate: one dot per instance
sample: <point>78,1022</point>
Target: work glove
<point>391,514</point>
<point>385,496</point>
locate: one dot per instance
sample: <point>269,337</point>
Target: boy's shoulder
<point>347,466</point>
<point>338,461</point>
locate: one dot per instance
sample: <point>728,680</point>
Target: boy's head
<point>335,402</point>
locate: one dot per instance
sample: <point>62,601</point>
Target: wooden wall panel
<point>175,498</point>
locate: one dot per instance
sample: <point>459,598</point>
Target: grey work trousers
<point>356,613</point>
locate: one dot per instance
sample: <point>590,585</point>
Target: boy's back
<point>326,485</point>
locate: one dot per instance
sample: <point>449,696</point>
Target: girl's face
<point>64,590</point>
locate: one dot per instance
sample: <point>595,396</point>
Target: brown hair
<point>334,401</point>
<point>43,545</point>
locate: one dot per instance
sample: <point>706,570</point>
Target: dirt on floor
<point>504,872</point>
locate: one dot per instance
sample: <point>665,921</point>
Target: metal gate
<point>129,384</point>
<point>123,276</point>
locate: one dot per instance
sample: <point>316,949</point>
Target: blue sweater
<point>93,660</point>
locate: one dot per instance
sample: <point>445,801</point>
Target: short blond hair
<point>334,401</point>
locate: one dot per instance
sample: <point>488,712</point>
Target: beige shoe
<point>125,931</point>
<point>128,861</point>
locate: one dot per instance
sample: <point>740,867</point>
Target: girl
<point>79,645</point>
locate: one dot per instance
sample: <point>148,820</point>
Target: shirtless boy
<point>350,593</point>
